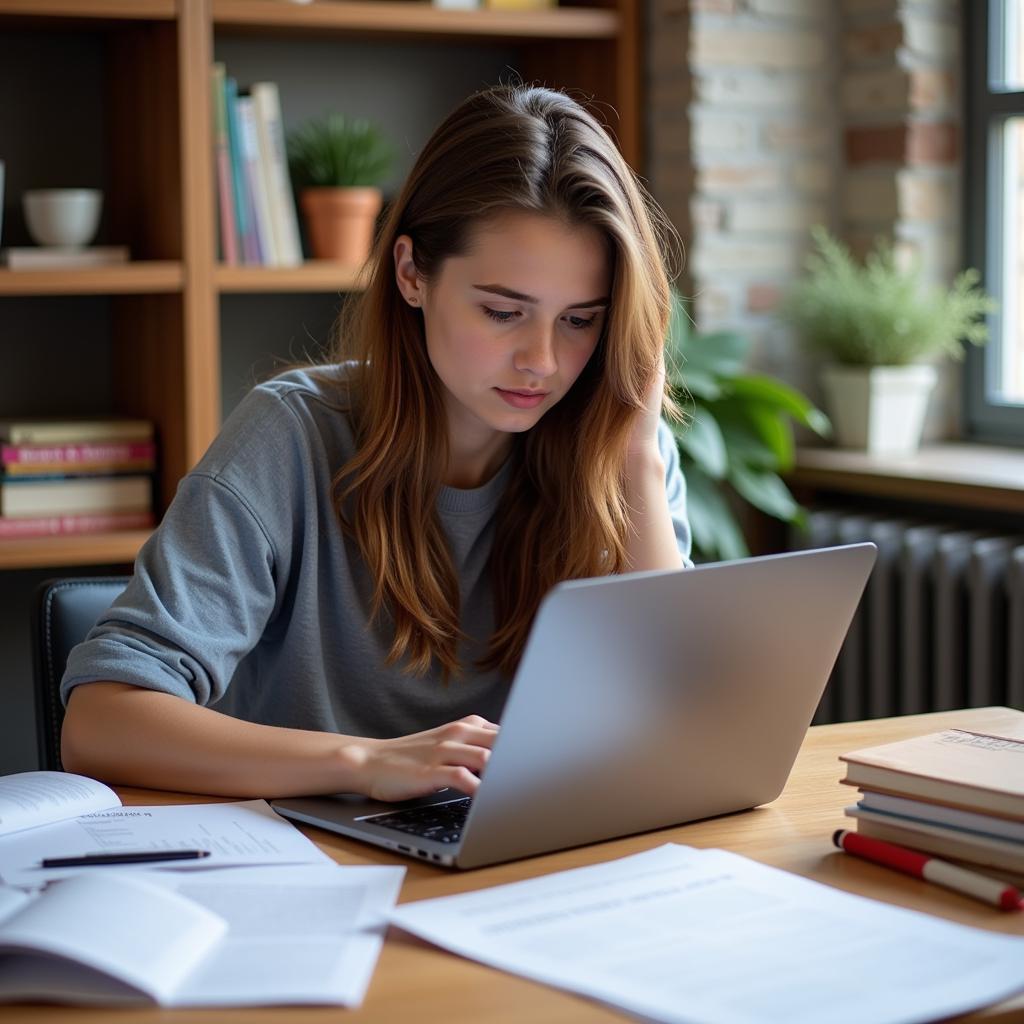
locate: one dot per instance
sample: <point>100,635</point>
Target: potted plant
<point>737,436</point>
<point>878,325</point>
<point>337,164</point>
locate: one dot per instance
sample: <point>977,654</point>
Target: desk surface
<point>793,833</point>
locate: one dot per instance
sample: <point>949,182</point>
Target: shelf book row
<point>256,214</point>
<point>957,794</point>
<point>75,477</point>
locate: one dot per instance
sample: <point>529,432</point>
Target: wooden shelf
<point>145,277</point>
<point>128,10</point>
<point>965,475</point>
<point>77,549</point>
<point>400,18</point>
<point>312,276</point>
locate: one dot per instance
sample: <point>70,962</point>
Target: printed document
<point>245,832</point>
<point>708,937</point>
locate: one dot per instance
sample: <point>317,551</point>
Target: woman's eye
<point>503,316</point>
<point>581,323</point>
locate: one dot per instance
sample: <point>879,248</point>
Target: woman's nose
<point>536,354</point>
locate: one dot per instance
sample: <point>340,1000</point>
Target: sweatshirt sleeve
<point>207,582</point>
<point>675,490</point>
<point>201,596</point>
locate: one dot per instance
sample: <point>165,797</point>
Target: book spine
<point>46,432</point>
<point>256,179</point>
<point>52,526</point>
<point>267,102</point>
<point>74,454</point>
<point>239,182</point>
<point>75,496</point>
<point>222,152</point>
<point>63,470</point>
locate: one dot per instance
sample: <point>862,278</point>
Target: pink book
<point>50,526</point>
<point>70,454</point>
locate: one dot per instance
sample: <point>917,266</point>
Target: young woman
<point>339,593</point>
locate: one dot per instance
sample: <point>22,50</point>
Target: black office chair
<point>63,612</point>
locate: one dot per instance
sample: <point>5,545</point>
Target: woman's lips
<point>522,399</point>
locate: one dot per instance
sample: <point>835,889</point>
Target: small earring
<point>413,301</point>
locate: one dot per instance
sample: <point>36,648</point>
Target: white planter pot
<point>879,409</point>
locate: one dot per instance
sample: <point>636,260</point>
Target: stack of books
<point>75,476</point>
<point>957,794</point>
<point>255,205</point>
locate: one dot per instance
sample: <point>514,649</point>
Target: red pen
<point>920,865</point>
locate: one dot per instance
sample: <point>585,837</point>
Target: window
<point>995,211</point>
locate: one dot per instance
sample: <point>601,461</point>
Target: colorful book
<point>47,257</point>
<point>229,245</point>
<point>77,458</point>
<point>972,769</point>
<point>74,431</point>
<point>71,495</point>
<point>244,218</point>
<point>270,133</point>
<point>256,180</point>
<point>26,527</point>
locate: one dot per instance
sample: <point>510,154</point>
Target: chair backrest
<point>63,612</point>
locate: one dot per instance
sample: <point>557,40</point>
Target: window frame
<point>984,110</point>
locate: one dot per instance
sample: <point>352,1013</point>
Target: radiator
<point>941,623</point>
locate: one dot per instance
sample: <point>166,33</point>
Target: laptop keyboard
<point>440,822</point>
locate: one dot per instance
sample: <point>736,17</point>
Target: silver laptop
<point>642,701</point>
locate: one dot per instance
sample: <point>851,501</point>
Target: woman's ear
<point>410,284</point>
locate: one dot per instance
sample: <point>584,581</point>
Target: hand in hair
<point>644,440</point>
<point>452,755</point>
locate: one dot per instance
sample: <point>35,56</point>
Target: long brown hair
<point>564,514</point>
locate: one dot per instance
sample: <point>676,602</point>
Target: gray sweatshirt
<point>250,598</point>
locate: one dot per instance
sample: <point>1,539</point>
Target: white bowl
<point>62,216</point>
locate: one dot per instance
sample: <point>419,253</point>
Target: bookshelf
<point>312,276</point>
<point>140,276</point>
<point>155,166</point>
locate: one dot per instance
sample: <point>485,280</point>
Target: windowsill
<point>970,475</point>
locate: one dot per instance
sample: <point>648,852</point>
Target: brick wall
<point>768,116</point>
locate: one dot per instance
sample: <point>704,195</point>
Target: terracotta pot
<point>340,222</point>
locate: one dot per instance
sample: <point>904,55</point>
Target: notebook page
<point>28,799</point>
<point>117,924</point>
<point>296,934</point>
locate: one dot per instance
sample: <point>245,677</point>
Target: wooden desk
<point>416,981</point>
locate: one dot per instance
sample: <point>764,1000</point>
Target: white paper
<point>246,832</point>
<point>11,900</point>
<point>137,935</point>
<point>28,799</point>
<point>307,935</point>
<point>702,936</point>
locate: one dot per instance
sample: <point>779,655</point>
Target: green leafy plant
<point>336,151</point>
<point>881,313</point>
<point>738,434</point>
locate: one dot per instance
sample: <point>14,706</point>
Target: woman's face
<point>511,324</point>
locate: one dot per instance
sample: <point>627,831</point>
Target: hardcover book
<point>73,431</point>
<point>31,459</point>
<point>26,527</point>
<point>979,771</point>
<point>47,497</point>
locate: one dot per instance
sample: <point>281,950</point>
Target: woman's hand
<point>451,755</point>
<point>644,440</point>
